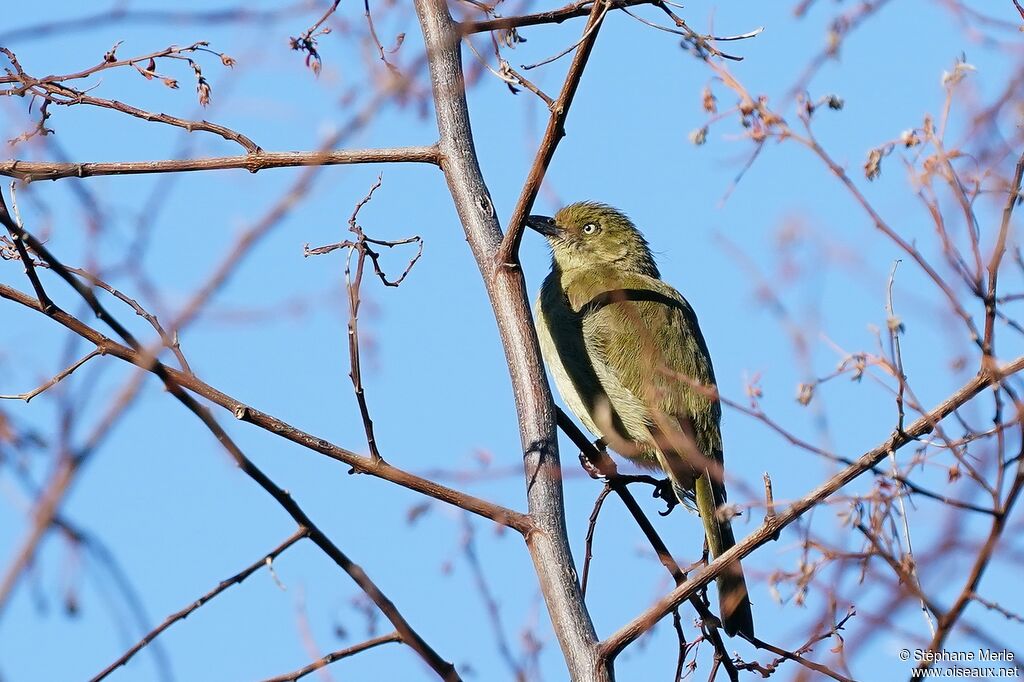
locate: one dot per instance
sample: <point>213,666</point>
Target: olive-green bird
<point>630,362</point>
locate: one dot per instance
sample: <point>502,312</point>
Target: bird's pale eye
<point>589,228</point>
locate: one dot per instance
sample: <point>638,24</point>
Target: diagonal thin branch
<point>508,254</point>
<point>619,640</point>
<point>60,376</point>
<point>337,656</point>
<point>243,412</point>
<point>193,606</point>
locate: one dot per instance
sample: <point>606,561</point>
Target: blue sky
<point>180,517</point>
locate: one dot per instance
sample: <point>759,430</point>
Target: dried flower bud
<point>873,166</point>
<point>804,394</point>
<point>960,70</point>
<point>909,138</point>
<point>833,41</point>
<point>111,54</point>
<point>708,101</point>
<point>227,61</point>
<point>699,136</point>
<point>203,88</point>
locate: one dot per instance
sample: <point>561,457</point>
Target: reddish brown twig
<point>255,162</point>
<point>243,412</point>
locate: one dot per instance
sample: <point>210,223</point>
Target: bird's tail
<point>732,588</point>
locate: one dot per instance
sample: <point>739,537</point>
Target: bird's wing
<point>643,335</point>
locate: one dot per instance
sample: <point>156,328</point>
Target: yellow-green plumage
<point>631,363</point>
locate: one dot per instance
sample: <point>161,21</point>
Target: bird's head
<point>589,234</point>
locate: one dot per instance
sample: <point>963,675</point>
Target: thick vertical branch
<point>548,542</point>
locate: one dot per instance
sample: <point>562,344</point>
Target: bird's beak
<point>544,224</point>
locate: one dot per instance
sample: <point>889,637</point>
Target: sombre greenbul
<point>630,362</point>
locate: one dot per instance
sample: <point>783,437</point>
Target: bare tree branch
<point>30,171</point>
<point>615,643</point>
<point>243,412</point>
<point>188,610</point>
<point>508,253</point>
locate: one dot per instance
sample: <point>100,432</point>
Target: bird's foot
<point>590,467</point>
<point>597,463</point>
<point>664,491</point>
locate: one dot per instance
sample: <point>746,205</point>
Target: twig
<point>592,26</point>
<point>798,657</point>
<point>981,561</point>
<point>588,553</point>
<point>60,376</point>
<point>336,656</point>
<point>353,286</point>
<point>307,41</point>
<point>490,602</point>
<point>572,10</point>
<point>1012,200</point>
<point>195,605</point>
<point>508,253</point>
<point>596,461</point>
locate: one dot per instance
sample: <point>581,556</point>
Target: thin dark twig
<point>353,285</point>
<point>591,27</point>
<point>797,655</point>
<point>576,9</point>
<point>193,606</point>
<point>677,625</point>
<point>30,271</point>
<point>337,656</point>
<point>490,602</point>
<point>508,252</point>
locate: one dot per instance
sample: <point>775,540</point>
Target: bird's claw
<point>664,492</point>
<point>590,467</point>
